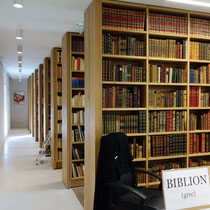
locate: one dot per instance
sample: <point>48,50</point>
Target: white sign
<point>186,188</point>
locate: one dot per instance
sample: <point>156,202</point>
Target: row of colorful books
<point>198,98</point>
<point>59,100</point>
<point>167,48</point>
<point>199,143</point>
<point>77,153</point>
<point>123,18</point>
<point>78,99</point>
<point>124,123</point>
<point>78,134</point>
<point>167,98</point>
<point>200,27</point>
<point>59,60</point>
<point>168,23</point>
<point>121,97</point>
<point>167,145</point>
<point>59,127</point>
<point>122,72</point>
<point>162,74</point>
<point>78,63</point>
<point>78,44</point>
<point>198,162</point>
<point>157,168</point>
<point>116,45</point>
<point>200,75</point>
<point>166,121</point>
<point>138,149</point>
<point>78,82</point>
<point>78,117</point>
<point>59,71</point>
<point>199,51</point>
<point>78,170</point>
<point>59,85</point>
<point>200,121</point>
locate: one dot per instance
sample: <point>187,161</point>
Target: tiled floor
<point>25,186</point>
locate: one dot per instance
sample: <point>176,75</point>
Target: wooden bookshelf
<point>36,117</point>
<point>32,104</point>
<point>46,96</point>
<point>40,75</point>
<point>68,93</point>
<point>55,63</point>
<point>94,55</point>
<point>29,104</point>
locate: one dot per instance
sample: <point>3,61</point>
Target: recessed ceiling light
<point>19,34</point>
<point>18,4</point>
<point>80,24</point>
<point>192,2</point>
<point>19,59</point>
<point>19,49</point>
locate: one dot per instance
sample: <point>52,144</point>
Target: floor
<point>25,186</point>
<point>79,192</point>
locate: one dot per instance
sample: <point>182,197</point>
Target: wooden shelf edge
<point>167,157</point>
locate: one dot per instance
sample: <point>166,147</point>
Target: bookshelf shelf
<point>123,109</point>
<point>167,157</point>
<point>199,61</point>
<point>166,133</point>
<point>167,108</point>
<point>166,35</point>
<point>77,53</point>
<point>199,154</point>
<point>73,103</point>
<point>56,96</point>
<point>167,84</point>
<point>199,38</point>
<point>141,185</point>
<point>124,57</point>
<point>80,160</point>
<point>74,142</point>
<point>171,60</point>
<point>122,31</point>
<point>102,66</point>
<point>139,160</point>
<point>123,83</point>
<point>200,131</point>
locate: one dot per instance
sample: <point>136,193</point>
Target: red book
<point>197,143</point>
<point>139,97</point>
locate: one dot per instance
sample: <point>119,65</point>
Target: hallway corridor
<point>25,186</point>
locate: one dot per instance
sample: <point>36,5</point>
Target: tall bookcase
<point>73,105</point>
<point>32,104</point>
<point>36,117</point>
<point>171,127</point>
<point>29,104</point>
<point>46,96</point>
<point>56,108</point>
<point>40,106</point>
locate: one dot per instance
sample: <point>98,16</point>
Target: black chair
<point>116,187</point>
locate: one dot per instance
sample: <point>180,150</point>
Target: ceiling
<point>44,22</point>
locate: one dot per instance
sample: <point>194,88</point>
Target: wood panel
<point>29,104</point>
<point>46,96</point>
<point>36,123</point>
<point>40,106</point>
<point>93,97</point>
<point>54,109</point>
<point>32,104</point>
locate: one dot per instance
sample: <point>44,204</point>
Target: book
<point>199,27</point>
<point>78,117</point>
<point>78,44</point>
<point>199,121</point>
<point>78,63</point>
<point>78,99</point>
<point>199,50</point>
<point>78,82</point>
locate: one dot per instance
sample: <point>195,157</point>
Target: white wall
<point>4,105</point>
<point>19,113</point>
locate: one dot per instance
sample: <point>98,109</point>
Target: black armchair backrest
<point>114,165</point>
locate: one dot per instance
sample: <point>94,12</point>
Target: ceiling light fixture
<point>19,59</point>
<point>20,70</point>
<point>18,4</point>
<point>19,34</point>
<point>19,49</point>
<point>192,2</point>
